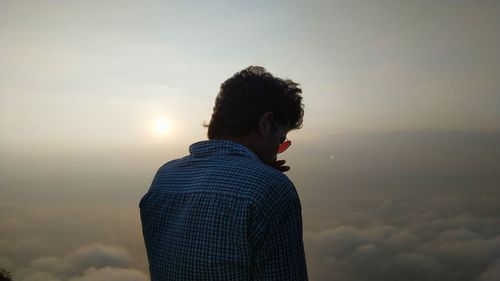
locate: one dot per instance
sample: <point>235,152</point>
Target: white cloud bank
<point>438,238</point>
<point>94,262</point>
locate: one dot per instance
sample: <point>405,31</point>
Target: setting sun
<point>161,126</point>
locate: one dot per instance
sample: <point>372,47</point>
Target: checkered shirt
<point>220,213</point>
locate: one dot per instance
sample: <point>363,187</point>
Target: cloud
<point>96,255</point>
<point>411,266</point>
<point>111,274</point>
<point>92,262</point>
<point>58,235</point>
<point>99,255</point>
<point>6,262</point>
<point>39,276</point>
<point>407,238</point>
<point>492,273</point>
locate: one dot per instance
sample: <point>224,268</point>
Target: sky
<point>396,164</point>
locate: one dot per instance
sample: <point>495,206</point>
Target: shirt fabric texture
<point>220,213</point>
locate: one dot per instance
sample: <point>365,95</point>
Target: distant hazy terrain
<point>418,205</point>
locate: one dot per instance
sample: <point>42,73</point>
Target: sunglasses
<point>284,143</point>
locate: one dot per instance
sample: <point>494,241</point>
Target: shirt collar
<point>208,148</point>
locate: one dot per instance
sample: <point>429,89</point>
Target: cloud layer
<point>437,238</point>
<point>89,263</point>
<point>371,237</point>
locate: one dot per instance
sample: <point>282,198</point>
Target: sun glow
<point>161,126</point>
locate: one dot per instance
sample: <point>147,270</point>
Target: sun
<point>161,126</point>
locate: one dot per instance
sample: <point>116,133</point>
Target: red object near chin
<point>284,146</point>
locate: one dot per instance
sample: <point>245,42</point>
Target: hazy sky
<point>396,166</point>
<point>96,71</point>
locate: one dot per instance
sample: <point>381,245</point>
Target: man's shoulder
<point>253,179</point>
<point>172,163</point>
<point>267,183</point>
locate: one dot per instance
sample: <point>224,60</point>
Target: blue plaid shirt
<point>222,214</point>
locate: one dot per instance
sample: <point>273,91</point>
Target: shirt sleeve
<point>277,242</point>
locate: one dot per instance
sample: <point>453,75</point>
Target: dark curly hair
<point>247,95</point>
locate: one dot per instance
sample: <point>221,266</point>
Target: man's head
<point>255,108</point>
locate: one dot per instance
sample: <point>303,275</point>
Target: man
<point>226,211</point>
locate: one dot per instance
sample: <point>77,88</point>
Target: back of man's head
<point>247,95</point>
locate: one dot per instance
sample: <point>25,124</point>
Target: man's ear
<point>265,122</point>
